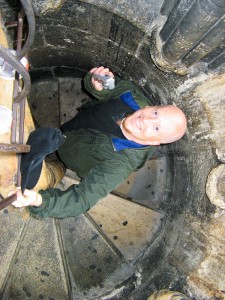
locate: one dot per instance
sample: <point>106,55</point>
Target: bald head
<point>175,123</point>
<point>155,125</point>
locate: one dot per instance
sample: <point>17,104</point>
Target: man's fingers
<point>97,84</point>
<point>111,74</point>
<point>28,193</point>
<point>11,193</point>
<point>97,70</point>
<point>104,71</point>
<point>101,71</point>
<point>93,70</point>
<point>17,204</point>
<point>29,198</point>
<point>20,199</point>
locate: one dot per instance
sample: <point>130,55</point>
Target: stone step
<point>71,97</point>
<point>37,269</point>
<point>63,96</point>
<point>147,186</point>
<point>12,226</point>
<point>57,259</point>
<point>129,226</point>
<point>40,105</point>
<point>94,267</point>
<point>80,258</point>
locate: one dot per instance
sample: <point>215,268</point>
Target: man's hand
<point>29,198</point>
<point>97,83</point>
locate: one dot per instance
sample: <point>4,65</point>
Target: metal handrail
<point>18,104</point>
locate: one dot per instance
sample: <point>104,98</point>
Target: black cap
<point>43,141</point>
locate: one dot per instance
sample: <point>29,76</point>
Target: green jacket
<point>91,155</point>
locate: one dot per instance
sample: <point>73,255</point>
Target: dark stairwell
<point>159,229</point>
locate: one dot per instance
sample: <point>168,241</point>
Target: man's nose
<point>148,118</point>
<point>148,121</point>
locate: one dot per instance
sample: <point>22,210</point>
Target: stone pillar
<point>193,32</point>
<point>168,295</point>
<point>215,186</point>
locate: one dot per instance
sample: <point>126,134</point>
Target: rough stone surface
<point>147,185</point>
<point>129,226</point>
<point>44,7</point>
<point>37,270</point>
<point>142,18</point>
<point>72,98</point>
<point>78,35</point>
<point>168,295</point>
<point>12,227</point>
<point>207,281</point>
<point>212,95</point>
<point>42,98</point>
<point>60,98</point>
<point>94,267</point>
<point>215,186</point>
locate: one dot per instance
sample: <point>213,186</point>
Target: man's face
<point>153,125</point>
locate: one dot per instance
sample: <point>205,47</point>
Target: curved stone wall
<point>72,37</point>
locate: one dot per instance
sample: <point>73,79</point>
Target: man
<point>104,145</point>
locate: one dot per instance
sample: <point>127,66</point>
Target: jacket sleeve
<point>121,86</point>
<point>79,198</point>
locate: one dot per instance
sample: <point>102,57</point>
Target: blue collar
<point>121,144</point>
<point>128,99</point>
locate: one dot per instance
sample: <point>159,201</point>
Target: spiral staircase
<point>85,257</point>
<point>163,228</point>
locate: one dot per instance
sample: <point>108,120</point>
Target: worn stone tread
<point>94,267</point>
<point>38,270</point>
<point>12,225</point>
<point>128,225</point>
